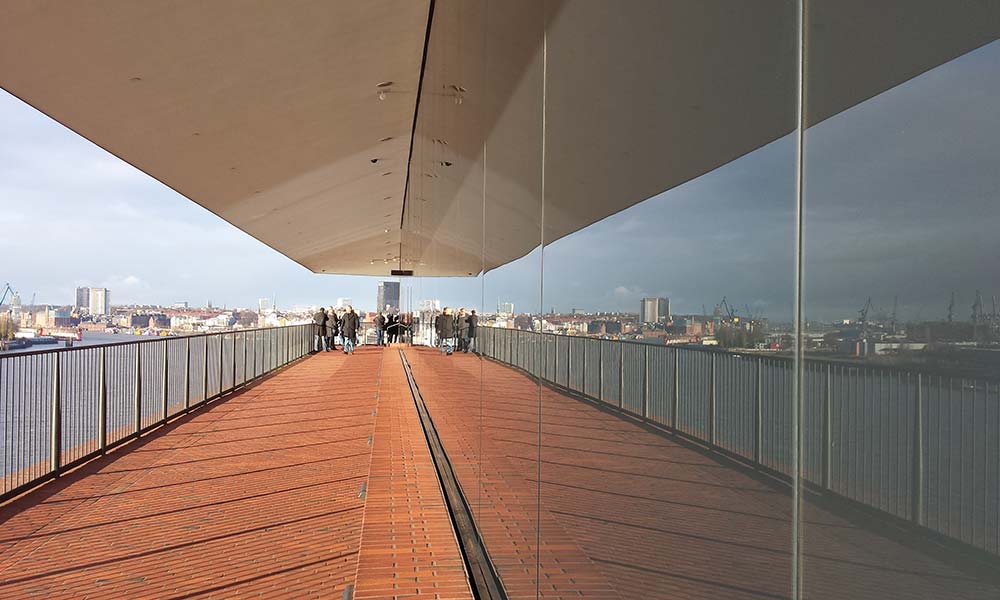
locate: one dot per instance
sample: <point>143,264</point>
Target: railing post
<point>600,370</point>
<point>163,390</point>
<point>204,372</point>
<point>246,374</point>
<point>827,428</point>
<point>645,382</point>
<point>55,446</point>
<point>187,373</point>
<point>555,359</point>
<point>138,388</point>
<point>711,402</point>
<point>234,360</point>
<point>675,400</point>
<point>621,375</point>
<point>917,493</point>
<point>222,347</point>
<point>758,412</point>
<point>102,403</point>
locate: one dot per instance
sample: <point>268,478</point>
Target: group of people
<point>388,328</point>
<point>333,323</point>
<point>456,329</point>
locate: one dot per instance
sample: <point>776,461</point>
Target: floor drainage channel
<point>486,583</point>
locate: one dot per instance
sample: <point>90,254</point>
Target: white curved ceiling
<point>268,114</point>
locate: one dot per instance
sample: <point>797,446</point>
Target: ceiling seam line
<point>413,129</point>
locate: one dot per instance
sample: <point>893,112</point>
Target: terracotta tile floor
<point>319,477</point>
<point>257,496</point>
<point>623,512</point>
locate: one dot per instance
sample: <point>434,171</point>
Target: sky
<point>902,197</point>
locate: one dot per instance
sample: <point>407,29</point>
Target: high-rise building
<point>100,301</point>
<point>344,302</point>
<point>505,308</point>
<point>82,297</point>
<point>388,296</point>
<point>654,310</point>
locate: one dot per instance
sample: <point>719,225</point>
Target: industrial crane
<point>977,308</point>
<point>729,310</point>
<point>863,321</point>
<point>951,308</point>
<point>7,289</point>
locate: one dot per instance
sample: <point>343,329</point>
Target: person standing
<point>393,328</point>
<point>380,329</point>
<point>349,329</point>
<point>319,327</point>
<point>473,324</point>
<point>445,326</point>
<point>462,330</point>
<point>331,327</point>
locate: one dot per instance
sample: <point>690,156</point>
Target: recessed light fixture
<point>386,173</point>
<point>374,160</point>
<point>384,84</point>
<point>446,163</point>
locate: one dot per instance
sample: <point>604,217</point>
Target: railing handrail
<point>152,339</point>
<point>749,352</point>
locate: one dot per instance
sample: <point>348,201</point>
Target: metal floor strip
<point>486,584</point>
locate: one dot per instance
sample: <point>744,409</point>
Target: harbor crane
<point>730,312</point>
<point>7,290</point>
<point>863,313</point>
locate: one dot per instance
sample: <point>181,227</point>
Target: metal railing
<point>920,446</point>
<point>61,407</point>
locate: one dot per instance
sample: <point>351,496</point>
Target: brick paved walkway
<point>257,497</point>
<point>629,513</point>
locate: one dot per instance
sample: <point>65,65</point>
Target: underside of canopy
<point>361,137</point>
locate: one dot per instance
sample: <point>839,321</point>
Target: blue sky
<point>902,197</point>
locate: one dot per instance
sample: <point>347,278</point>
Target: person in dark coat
<point>473,320</point>
<point>380,323</point>
<point>349,329</point>
<point>319,326</point>
<point>393,328</point>
<point>444,324</point>
<point>462,330</point>
<point>332,325</point>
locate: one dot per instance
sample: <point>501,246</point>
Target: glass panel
<point>668,265</point>
<point>901,415</point>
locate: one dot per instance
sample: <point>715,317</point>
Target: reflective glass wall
<point>735,322</point>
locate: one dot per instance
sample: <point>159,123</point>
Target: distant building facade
<point>388,296</point>
<point>82,298</point>
<point>654,310</point>
<point>100,301</point>
<point>505,308</point>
